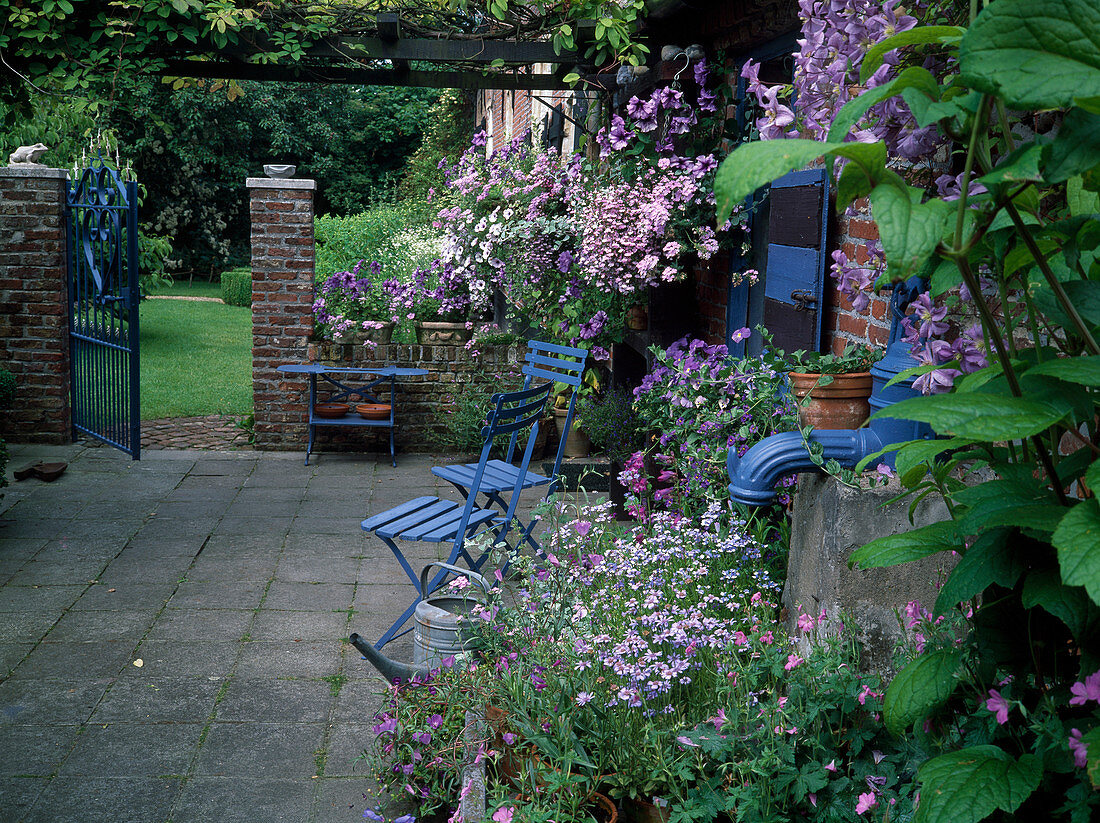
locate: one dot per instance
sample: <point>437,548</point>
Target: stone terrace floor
<point>235,579</point>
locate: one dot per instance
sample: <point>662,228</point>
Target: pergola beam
<point>303,73</point>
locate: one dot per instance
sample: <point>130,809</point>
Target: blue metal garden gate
<point>103,308</point>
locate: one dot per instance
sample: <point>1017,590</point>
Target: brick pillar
<point>282,306</point>
<point>34,340</point>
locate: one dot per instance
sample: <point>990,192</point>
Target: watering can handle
<point>477,578</point>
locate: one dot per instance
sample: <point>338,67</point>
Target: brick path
<point>216,432</point>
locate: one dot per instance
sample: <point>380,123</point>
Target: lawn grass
<point>196,359</point>
<point>197,288</point>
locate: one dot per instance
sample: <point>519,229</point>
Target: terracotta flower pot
<point>431,333</point>
<point>842,404</point>
<point>577,443</point>
<point>636,810</point>
<point>637,317</point>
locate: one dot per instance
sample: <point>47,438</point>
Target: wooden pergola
<point>390,58</point>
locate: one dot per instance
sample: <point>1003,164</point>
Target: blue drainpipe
<point>753,475</point>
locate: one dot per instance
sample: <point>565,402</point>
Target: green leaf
<point>913,77</point>
<point>924,451</point>
<point>1079,200</point>
<point>852,185</point>
<point>1022,165</point>
<point>1078,542</point>
<point>1092,741</point>
<point>1092,476</point>
<point>911,545</point>
<point>755,164</point>
<point>926,112</point>
<point>990,559</point>
<point>909,230</point>
<point>1085,295</point>
<point>977,416</point>
<point>1084,369</point>
<point>920,688</point>
<point>1069,604</point>
<point>945,276</point>
<point>1076,149</point>
<point>913,37</point>
<point>968,785</point>
<point>1038,54</point>
<point>1043,517</point>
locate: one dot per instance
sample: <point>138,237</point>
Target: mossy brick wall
<point>34,345</point>
<point>282,323</point>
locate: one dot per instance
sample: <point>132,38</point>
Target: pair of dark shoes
<point>43,471</point>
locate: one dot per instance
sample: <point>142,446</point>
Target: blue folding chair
<point>548,361</point>
<point>435,520</point>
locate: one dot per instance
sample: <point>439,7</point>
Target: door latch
<point>803,300</point>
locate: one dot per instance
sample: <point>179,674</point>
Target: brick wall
<point>282,300</point>
<point>842,324</point>
<point>34,344</point>
<point>712,296</point>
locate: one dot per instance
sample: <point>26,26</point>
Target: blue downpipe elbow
<point>754,474</point>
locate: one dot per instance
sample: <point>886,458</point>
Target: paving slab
<point>237,800</point>
<point>250,700</point>
<point>232,578</point>
<point>261,750</point>
<point>104,800</point>
<point>109,750</point>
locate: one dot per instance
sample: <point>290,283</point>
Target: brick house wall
<point>34,344</point>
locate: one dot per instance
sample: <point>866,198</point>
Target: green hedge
<point>344,241</point>
<point>237,287</point>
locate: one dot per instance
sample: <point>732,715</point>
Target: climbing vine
<point>82,50</point>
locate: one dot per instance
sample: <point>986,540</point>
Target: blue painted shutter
<point>794,274</point>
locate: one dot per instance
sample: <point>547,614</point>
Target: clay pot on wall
<point>431,333</point>
<point>841,404</point>
<point>636,810</point>
<point>381,336</point>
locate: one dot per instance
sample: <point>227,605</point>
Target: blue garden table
<point>345,389</point>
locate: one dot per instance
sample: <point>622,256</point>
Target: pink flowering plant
<point>700,402</point>
<point>421,737</point>
<point>573,243</point>
<point>797,735</point>
<point>615,642</point>
<point>1012,364</point>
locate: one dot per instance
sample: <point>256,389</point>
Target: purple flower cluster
<point>937,340</point>
<point>836,36</point>
<point>347,301</point>
<point>704,403</point>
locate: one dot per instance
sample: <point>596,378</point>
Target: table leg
<point>393,411</point>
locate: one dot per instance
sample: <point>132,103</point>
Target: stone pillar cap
<point>33,170</point>
<point>280,183</point>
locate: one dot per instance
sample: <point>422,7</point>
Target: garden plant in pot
<point>832,389</point>
<point>577,443</point>
<point>350,305</point>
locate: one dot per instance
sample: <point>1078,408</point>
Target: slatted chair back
<point>558,364</point>
<point>511,413</point>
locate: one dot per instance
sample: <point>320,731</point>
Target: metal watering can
<point>438,628</point>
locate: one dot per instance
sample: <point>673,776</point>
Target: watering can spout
<point>389,669</point>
